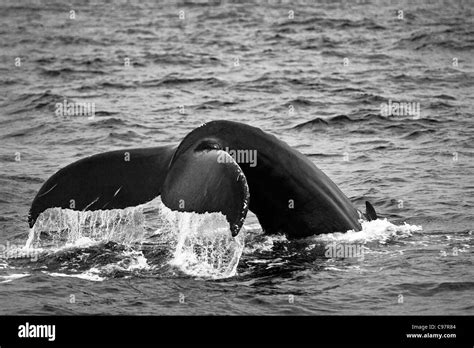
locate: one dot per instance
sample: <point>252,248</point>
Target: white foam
<point>380,230</point>
<point>204,245</point>
<point>352,268</point>
<point>267,243</point>
<point>133,261</point>
<point>11,277</point>
<point>92,275</point>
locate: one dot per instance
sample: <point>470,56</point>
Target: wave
<point>320,22</point>
<point>125,136</point>
<point>78,40</point>
<point>419,133</point>
<point>269,80</point>
<point>33,102</point>
<point>369,98</point>
<point>453,39</point>
<point>440,105</point>
<point>28,132</point>
<point>316,123</point>
<point>68,72</point>
<point>181,58</point>
<point>215,104</point>
<point>303,102</point>
<point>340,120</point>
<point>22,178</point>
<point>432,288</point>
<point>389,122</point>
<point>5,81</point>
<point>173,80</point>
<point>445,97</point>
<point>110,84</point>
<point>108,113</point>
<point>131,31</point>
<point>111,122</point>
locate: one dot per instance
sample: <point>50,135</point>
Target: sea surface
<point>315,74</point>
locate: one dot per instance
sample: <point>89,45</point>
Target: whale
<point>222,167</point>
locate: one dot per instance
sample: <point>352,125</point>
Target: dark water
<point>251,63</point>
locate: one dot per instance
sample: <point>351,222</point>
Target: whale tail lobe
<point>199,181</point>
<point>208,181</point>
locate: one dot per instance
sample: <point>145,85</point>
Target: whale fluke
<point>196,182</point>
<point>221,166</point>
<point>110,180</point>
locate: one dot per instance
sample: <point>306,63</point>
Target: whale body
<point>221,166</point>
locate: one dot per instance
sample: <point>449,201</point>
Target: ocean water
<point>317,75</point>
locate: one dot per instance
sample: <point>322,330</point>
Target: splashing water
<point>71,228</point>
<point>380,230</point>
<point>204,245</point>
<point>130,261</point>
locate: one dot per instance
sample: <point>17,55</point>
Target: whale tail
<point>204,180</point>
<point>288,192</point>
<point>370,213</point>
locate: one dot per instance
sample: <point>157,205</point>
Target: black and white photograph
<point>237,162</point>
